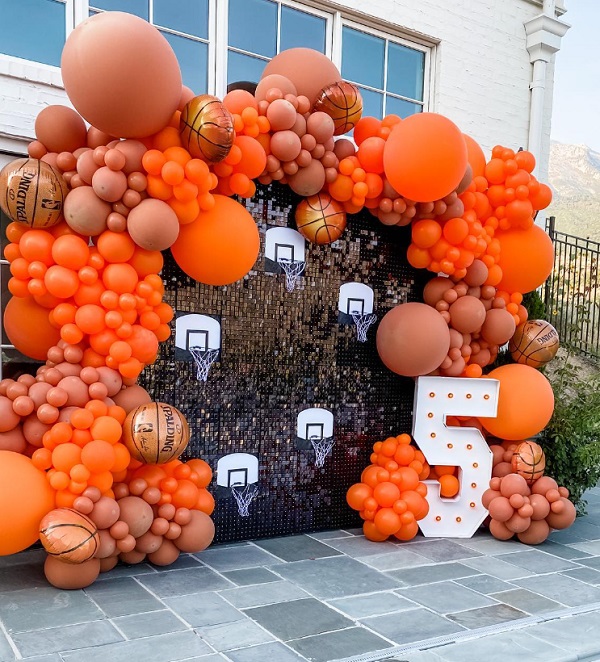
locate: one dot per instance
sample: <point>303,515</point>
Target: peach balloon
<point>274,81</point>
<point>60,129</point>
<point>121,74</point>
<point>71,576</point>
<point>153,225</point>
<point>13,440</point>
<point>131,397</point>
<point>197,535</point>
<point>467,314</point>
<point>85,212</point>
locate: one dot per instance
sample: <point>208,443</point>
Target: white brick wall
<point>481,69</point>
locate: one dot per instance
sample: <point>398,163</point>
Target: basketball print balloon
<point>69,536</point>
<point>534,343</point>
<point>343,103</point>
<point>156,433</point>
<point>320,219</point>
<point>529,461</point>
<point>33,193</point>
<point>206,128</point>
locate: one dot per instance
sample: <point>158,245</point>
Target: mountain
<point>574,176</point>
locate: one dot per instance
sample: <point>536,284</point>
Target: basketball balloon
<point>206,128</point>
<point>69,536</point>
<point>33,193</point>
<point>320,219</point>
<point>534,343</point>
<point>343,103</point>
<point>155,433</point>
<point>529,461</point>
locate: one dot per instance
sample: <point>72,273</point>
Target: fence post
<point>550,226</point>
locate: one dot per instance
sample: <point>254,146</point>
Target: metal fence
<point>572,292</point>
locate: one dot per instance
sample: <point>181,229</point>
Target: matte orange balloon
<point>220,246</point>
<point>28,327</point>
<point>25,497</point>
<point>475,156</point>
<point>121,74</point>
<point>526,259</point>
<point>425,157</point>
<point>525,403</point>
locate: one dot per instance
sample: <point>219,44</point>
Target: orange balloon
<point>526,259</point>
<point>525,403</point>
<point>449,485</point>
<point>425,157</point>
<point>220,246</point>
<point>475,156</point>
<point>98,456</point>
<point>203,470</point>
<point>25,497</point>
<point>28,327</point>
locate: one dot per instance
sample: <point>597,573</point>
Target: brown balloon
<point>467,314</point>
<point>71,576</point>
<point>131,397</point>
<point>206,128</point>
<point>197,535</point>
<point>166,554</point>
<point>137,514</point>
<point>536,533</point>
<point>499,326</point>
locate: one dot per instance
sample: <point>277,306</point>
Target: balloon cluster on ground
<point>92,209</point>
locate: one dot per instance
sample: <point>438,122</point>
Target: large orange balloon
<point>220,246</point>
<point>526,259</point>
<point>525,403</point>
<point>475,156</point>
<point>25,497</point>
<point>28,327</point>
<point>413,339</point>
<point>121,74</point>
<point>425,157</point>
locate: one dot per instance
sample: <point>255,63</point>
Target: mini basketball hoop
<point>363,322</point>
<point>293,270</point>
<point>322,447</point>
<point>243,494</point>
<point>203,358</point>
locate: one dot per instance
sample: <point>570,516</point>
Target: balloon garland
<point>93,207</point>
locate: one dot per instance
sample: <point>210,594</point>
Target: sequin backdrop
<point>283,352</point>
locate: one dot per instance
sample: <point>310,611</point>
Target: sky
<point>576,112</point>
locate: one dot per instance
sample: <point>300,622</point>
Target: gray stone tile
<point>414,625</point>
<point>146,625</point>
<point>525,600</point>
<point>431,573</point>
<point>372,605</point>
<point>584,528</point>
<point>507,646</point>
<point>32,556</point>
<point>577,634</point>
<point>563,589</point>
<point>357,547</point>
<point>298,618</point>
<point>204,658</point>
<point>122,596</point>
<point>562,551</point>
<point>22,576</point>
<point>336,578</point>
<point>566,537</point>
<point>480,618</point>
<point>126,570</point>
<point>592,547</point>
<point>264,594</point>
<point>355,532</point>
<point>236,558</point>
<point>203,609</point>
<point>47,607</point>
<point>55,640</point>
<point>6,651</point>
<point>420,656</point>
<point>587,575</point>
<point>485,584</point>
<point>170,583</point>
<point>297,548</point>
<point>591,562</point>
<point>238,634</point>
<point>251,576</point>
<point>337,645</point>
<point>172,647</point>
<point>444,597</point>
<point>53,657</point>
<point>399,558</point>
<point>443,551</point>
<point>490,565</point>
<point>276,651</point>
<point>537,562</point>
<point>184,561</point>
<point>327,535</point>
<point>491,546</point>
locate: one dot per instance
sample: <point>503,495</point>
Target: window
<point>390,74</point>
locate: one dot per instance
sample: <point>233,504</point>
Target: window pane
<point>394,106</point>
<point>189,16</point>
<point>243,68</point>
<point>193,61</point>
<point>362,58</point>
<point>33,30</point>
<point>405,71</point>
<point>253,26</point>
<point>372,103</point>
<point>301,29</point>
<point>137,7</point>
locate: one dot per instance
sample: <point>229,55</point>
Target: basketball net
<point>244,494</point>
<point>293,270</point>
<point>203,360</point>
<point>322,447</point>
<point>363,322</point>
